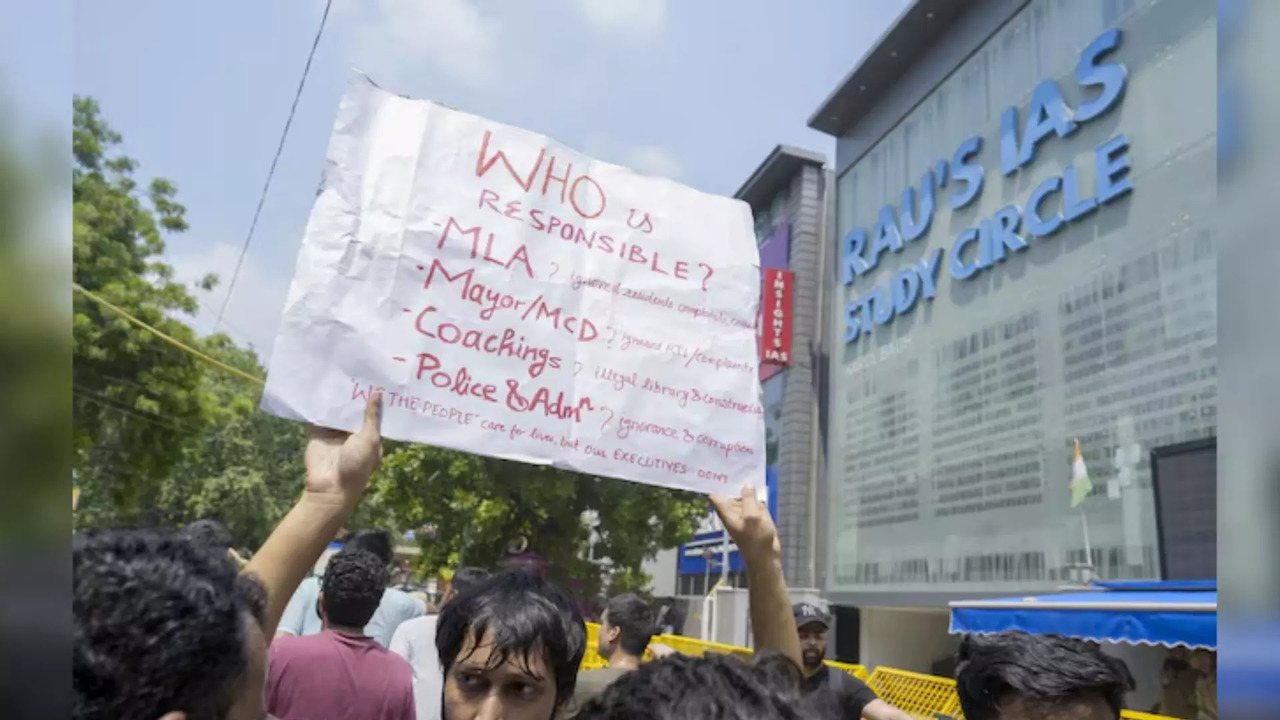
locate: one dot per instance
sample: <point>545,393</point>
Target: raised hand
<point>750,526</point>
<point>339,464</point>
<point>748,523</point>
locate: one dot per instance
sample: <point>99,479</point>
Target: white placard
<point>517,299</point>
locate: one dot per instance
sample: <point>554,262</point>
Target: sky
<point>696,90</point>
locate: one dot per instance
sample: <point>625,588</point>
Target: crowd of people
<point>175,626</point>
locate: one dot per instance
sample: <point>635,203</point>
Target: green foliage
<point>479,506</point>
<point>136,396</point>
<point>245,468</point>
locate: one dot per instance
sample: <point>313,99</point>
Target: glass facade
<point>952,424</point>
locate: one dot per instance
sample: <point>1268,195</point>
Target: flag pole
<point>1088,549</point>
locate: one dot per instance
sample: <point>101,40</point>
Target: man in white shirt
<point>415,641</point>
<point>302,618</point>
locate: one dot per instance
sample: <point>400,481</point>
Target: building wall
<point>800,210</point>
<point>797,469</point>
<point>905,639</point>
<point>951,425</point>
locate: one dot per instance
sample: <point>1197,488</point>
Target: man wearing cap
<point>854,697</point>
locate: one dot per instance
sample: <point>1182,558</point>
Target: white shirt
<point>415,641</point>
<point>397,606</point>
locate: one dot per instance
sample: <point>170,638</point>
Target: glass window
<point>952,427</point>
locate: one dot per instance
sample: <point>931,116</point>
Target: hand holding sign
<point>339,464</point>
<point>748,522</point>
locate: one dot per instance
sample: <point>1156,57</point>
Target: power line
<point>164,336</point>
<point>270,173</point>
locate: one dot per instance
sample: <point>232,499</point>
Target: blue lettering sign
<point>915,223</point>
<point>971,173</point>
<point>1036,224</point>
<point>1055,201</point>
<point>1111,164</point>
<point>1111,77</point>
<point>908,287</point>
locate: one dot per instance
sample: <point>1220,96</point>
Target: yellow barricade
<point>591,660</point>
<point>857,671</point>
<point>924,696</point>
<point>915,693</point>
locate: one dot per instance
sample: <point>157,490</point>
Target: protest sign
<point>517,299</point>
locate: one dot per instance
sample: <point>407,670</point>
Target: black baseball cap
<point>810,614</point>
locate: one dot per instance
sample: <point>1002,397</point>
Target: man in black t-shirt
<point>854,697</point>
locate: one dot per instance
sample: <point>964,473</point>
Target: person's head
<point>1012,675</point>
<point>812,623</point>
<point>510,647</point>
<point>209,534</point>
<point>373,541</point>
<point>463,579</point>
<point>625,626</point>
<point>715,685</point>
<point>351,588</point>
<point>164,628</point>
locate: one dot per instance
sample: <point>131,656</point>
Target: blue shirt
<point>300,616</point>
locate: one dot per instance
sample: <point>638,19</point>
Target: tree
<point>136,395</point>
<point>475,507</point>
<point>245,467</point>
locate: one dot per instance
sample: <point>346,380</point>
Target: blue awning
<point>1168,617</point>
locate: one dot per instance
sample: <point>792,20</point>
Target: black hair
<point>374,541</point>
<point>353,583</point>
<point>714,685</point>
<point>160,625</point>
<point>465,577</point>
<point>210,534</point>
<point>525,614</point>
<point>634,619</point>
<point>1044,670</point>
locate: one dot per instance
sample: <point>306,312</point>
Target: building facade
<point>788,195</point>
<point>1023,257</point>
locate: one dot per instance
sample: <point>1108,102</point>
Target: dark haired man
<point>510,648</point>
<point>851,695</point>
<point>626,626</point>
<point>1016,676</point>
<point>342,674</point>
<point>166,629</point>
<point>397,606</point>
<point>415,641</point>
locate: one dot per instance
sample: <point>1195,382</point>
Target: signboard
<point>517,299</point>
<point>982,246</point>
<point>952,420</point>
<point>775,345</point>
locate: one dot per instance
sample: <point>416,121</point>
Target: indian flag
<point>1080,485</point>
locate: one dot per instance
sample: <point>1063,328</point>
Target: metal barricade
<point>591,660</point>
<point>857,671</point>
<point>925,696</point>
<point>916,693</point>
